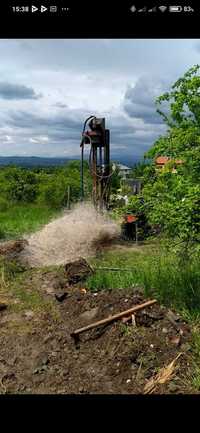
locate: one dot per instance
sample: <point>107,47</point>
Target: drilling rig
<point>98,138</point>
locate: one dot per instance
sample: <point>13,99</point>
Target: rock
<point>90,314</point>
<point>84,291</point>
<point>172,316</point>
<point>3,306</point>
<point>176,340</point>
<point>165,330</point>
<point>81,390</point>
<point>126,319</point>
<point>49,291</point>
<point>155,315</point>
<point>78,271</point>
<point>42,361</point>
<point>60,297</point>
<point>184,329</point>
<point>186,347</point>
<point>29,314</point>
<point>40,369</point>
<point>65,373</point>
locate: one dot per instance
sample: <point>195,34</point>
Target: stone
<point>176,340</point>
<point>185,347</point>
<point>29,314</point>
<point>49,291</point>
<point>174,317</point>
<point>3,306</point>
<point>90,314</point>
<point>42,361</point>
<point>60,297</point>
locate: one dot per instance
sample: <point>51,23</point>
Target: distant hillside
<point>129,161</point>
<point>36,161</point>
<point>32,161</point>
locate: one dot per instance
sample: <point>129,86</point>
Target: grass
<point>22,219</point>
<point>15,284</point>
<point>158,272</point>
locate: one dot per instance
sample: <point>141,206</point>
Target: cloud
<point>7,139</point>
<point>39,139</point>
<point>139,100</point>
<point>53,133</point>
<point>60,105</point>
<point>77,78</point>
<point>17,91</point>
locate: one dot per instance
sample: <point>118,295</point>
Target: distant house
<point>161,161</point>
<point>124,171</point>
<point>135,185</point>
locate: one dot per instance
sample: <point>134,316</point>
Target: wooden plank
<point>113,318</point>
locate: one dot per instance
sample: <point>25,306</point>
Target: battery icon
<point>175,8</point>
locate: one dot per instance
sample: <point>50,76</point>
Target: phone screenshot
<point>99,199</point>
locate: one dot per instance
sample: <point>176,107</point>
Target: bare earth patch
<point>38,355</point>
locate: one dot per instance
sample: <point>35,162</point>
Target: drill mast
<point>98,137</point>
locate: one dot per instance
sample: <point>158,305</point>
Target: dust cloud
<point>75,234</point>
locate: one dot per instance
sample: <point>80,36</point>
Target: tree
<point>173,199</point>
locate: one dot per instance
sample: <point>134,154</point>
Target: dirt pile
<point>12,249</point>
<point>76,234</point>
<point>77,271</point>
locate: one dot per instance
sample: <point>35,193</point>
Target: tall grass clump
<point>158,273</point>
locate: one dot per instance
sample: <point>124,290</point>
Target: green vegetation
<point>15,285</point>
<point>170,197</point>
<point>158,271</point>
<point>31,198</point>
<point>20,219</point>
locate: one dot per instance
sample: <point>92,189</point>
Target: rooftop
<point>162,160</point>
<point>123,167</point>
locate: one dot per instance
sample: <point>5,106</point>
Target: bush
<point>4,204</point>
<point>21,185</point>
<point>54,194</point>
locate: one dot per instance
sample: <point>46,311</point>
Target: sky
<point>48,87</point>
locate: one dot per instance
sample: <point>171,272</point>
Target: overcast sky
<point>49,87</point>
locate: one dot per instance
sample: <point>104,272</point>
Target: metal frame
<point>98,137</point>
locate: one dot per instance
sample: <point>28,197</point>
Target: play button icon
<point>34,9</point>
<point>43,9</point>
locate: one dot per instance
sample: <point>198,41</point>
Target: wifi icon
<point>162,8</point>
